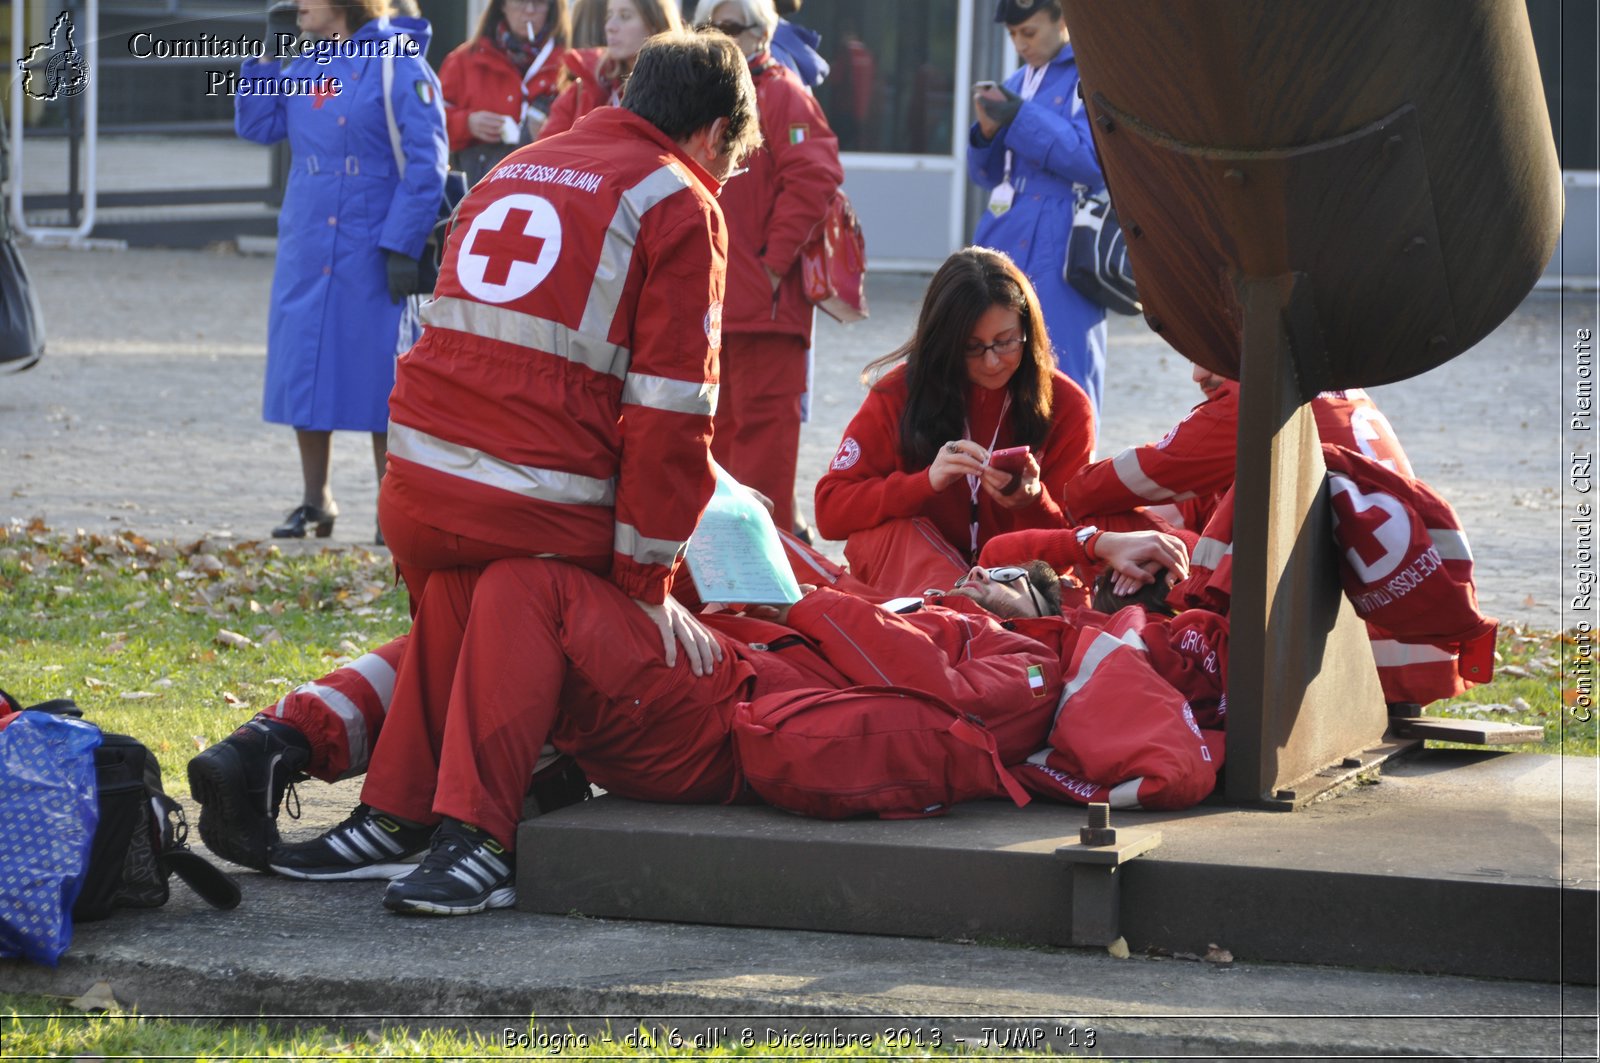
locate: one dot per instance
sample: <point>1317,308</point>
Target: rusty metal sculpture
<point>1318,194</point>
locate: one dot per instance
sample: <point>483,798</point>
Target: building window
<point>893,63</point>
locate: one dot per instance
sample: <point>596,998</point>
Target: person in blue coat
<point>352,229</point>
<point>1031,148</point>
<point>795,46</point>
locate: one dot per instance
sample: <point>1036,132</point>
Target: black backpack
<point>141,838</point>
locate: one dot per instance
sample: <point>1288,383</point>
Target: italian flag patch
<point>425,92</point>
<point>1036,680</point>
<point>797,133</point>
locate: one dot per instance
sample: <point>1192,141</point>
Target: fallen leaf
<point>1515,671</point>
<point>1118,949</point>
<point>1520,705</point>
<point>136,695</point>
<point>234,700</point>
<point>232,639</point>
<point>98,997</point>
<point>1217,954</point>
<point>1529,602</point>
<point>92,683</point>
<point>200,742</point>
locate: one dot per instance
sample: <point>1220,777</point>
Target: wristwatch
<point>1086,536</point>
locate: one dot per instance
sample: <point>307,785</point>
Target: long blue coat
<point>332,328</point>
<point>1052,149</point>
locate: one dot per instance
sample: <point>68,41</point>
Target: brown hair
<point>558,20</point>
<point>662,16</point>
<point>683,82</point>
<point>968,284</point>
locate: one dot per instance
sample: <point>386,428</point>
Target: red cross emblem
<point>321,92</point>
<point>506,246</point>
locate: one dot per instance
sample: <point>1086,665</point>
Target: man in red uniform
<point>772,210</point>
<point>1181,477</point>
<point>559,402</point>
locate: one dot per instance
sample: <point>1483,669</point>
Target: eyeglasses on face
<point>732,29</point>
<point>1012,573</point>
<point>1003,348</point>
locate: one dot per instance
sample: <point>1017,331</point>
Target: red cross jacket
<point>869,483</point>
<point>1186,472</point>
<point>477,76</point>
<point>559,401</point>
<point>774,206</point>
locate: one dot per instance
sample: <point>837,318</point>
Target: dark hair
<point>682,82</point>
<point>1013,13</point>
<point>787,7</point>
<point>968,284</point>
<point>1152,596</point>
<point>557,21</point>
<point>1047,583</point>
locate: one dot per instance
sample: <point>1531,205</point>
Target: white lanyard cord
<point>1031,79</point>
<point>972,480</point>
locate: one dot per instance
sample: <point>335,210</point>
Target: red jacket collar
<point>624,123</point>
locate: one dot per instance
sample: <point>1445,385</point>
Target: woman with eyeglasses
<point>500,84</point>
<point>911,490</point>
<point>594,77</point>
<point>771,211</point>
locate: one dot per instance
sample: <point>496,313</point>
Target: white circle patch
<point>713,325</point>
<point>849,454</point>
<point>510,249</point>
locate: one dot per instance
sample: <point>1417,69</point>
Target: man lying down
<point>553,657</point>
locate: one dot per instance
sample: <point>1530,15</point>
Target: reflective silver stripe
<point>1208,553</point>
<point>1388,653</point>
<point>616,254</point>
<point>675,396</point>
<point>379,675</point>
<point>1171,514</point>
<point>1104,644</point>
<point>1451,544</point>
<point>1125,794</point>
<point>504,325</point>
<point>546,485</point>
<point>355,724</point>
<point>645,550</point>
<point>1131,473</point>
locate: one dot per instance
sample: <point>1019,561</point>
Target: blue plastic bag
<point>48,812</point>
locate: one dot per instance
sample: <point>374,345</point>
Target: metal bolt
<point>1105,122</point>
<point>1155,323</point>
<point>1132,228</point>
<point>1099,831</point>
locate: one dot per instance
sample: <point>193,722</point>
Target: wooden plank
<point>1474,732</point>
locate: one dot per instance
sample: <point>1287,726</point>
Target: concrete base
<point>1458,861</point>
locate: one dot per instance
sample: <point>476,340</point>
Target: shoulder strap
<point>388,113</point>
<point>213,885</point>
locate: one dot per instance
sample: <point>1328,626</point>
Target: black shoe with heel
<point>299,519</point>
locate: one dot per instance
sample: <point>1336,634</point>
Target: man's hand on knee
<point>679,626</point>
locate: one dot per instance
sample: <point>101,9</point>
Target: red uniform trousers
<point>495,653</point>
<point>905,557</point>
<point>757,427</point>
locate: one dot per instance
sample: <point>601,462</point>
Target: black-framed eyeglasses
<point>1003,348</point>
<point>1012,573</point>
<point>732,29</point>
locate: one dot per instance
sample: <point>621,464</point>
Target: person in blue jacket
<point>1032,149</point>
<point>352,229</point>
<point>795,46</point>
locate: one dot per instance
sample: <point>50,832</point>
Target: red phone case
<point>1011,459</point>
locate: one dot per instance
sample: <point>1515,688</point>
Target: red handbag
<point>833,263</point>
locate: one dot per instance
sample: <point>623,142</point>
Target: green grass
<point>138,633</point>
<point>55,1031</point>
<point>134,631</point>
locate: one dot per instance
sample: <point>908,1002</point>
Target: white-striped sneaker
<point>367,845</point>
<point>466,871</point>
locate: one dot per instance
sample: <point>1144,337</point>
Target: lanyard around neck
<point>972,480</point>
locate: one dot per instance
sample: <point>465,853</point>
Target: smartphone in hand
<point>1011,459</point>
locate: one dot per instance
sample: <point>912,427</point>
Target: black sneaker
<point>368,844</point>
<point>239,784</point>
<point>466,871</point>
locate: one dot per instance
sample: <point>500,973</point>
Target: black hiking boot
<point>239,784</point>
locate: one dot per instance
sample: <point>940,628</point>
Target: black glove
<point>1002,111</point>
<point>282,17</point>
<point>404,276</point>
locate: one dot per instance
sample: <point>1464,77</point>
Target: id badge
<point>1000,199</point>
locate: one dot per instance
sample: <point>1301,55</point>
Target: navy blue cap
<point>1013,11</point>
